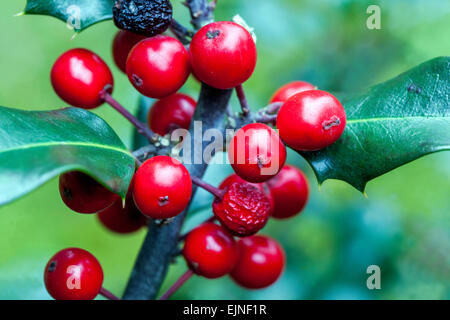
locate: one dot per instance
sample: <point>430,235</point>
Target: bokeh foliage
<point>403,226</point>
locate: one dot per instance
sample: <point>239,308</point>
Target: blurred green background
<point>403,226</point>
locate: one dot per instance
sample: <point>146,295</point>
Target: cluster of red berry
<point>222,55</point>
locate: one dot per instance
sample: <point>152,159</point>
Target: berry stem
<point>138,162</point>
<point>206,186</point>
<point>182,280</point>
<point>269,113</point>
<point>141,127</point>
<point>242,99</point>
<point>273,107</point>
<point>201,11</point>
<point>181,32</point>
<point>157,250</point>
<point>107,294</point>
<point>266,118</point>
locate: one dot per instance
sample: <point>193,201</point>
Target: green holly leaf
<point>78,14</point>
<point>393,123</point>
<point>35,146</point>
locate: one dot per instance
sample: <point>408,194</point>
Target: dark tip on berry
<point>213,34</point>
<point>194,266</point>
<point>163,201</point>
<point>52,266</point>
<point>333,122</point>
<point>137,80</point>
<point>108,88</point>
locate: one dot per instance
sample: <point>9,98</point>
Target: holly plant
<point>353,138</point>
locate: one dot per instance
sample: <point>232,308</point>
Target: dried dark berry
<point>146,17</point>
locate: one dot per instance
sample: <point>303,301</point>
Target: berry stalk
<point>161,242</point>
<point>141,127</point>
<point>273,108</point>
<point>269,113</point>
<point>108,294</point>
<point>177,285</point>
<point>266,118</point>
<point>181,32</point>
<point>206,186</point>
<point>242,100</point>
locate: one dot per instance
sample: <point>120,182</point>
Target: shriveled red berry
<point>261,262</point>
<point>83,194</point>
<point>234,178</point>
<point>290,192</point>
<point>172,112</point>
<point>73,274</point>
<point>311,120</point>
<point>123,42</point>
<point>243,209</point>
<point>120,219</point>
<point>223,54</point>
<point>162,187</point>
<point>79,76</point>
<point>290,89</point>
<point>210,251</point>
<point>158,66</point>
<point>256,152</point>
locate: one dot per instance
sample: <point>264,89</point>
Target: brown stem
<point>157,250</point>
<point>202,12</point>
<point>161,242</point>
<point>242,99</point>
<point>152,150</point>
<point>269,113</point>
<point>181,32</point>
<point>266,118</point>
<point>177,285</point>
<point>108,294</point>
<point>141,127</point>
<point>206,186</point>
<point>273,107</point>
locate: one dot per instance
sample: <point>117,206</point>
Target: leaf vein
<point>393,119</point>
<point>71,143</point>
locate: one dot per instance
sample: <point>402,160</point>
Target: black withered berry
<point>146,17</point>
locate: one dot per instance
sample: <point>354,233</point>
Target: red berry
<point>79,76</point>
<point>223,54</point>
<point>162,187</point>
<point>256,152</point>
<point>243,209</point>
<point>210,251</point>
<point>123,42</point>
<point>83,194</point>
<point>261,262</point>
<point>234,178</point>
<point>171,113</point>
<point>290,192</point>
<point>121,219</point>
<point>158,66</point>
<point>73,274</point>
<point>311,120</point>
<point>290,89</point>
